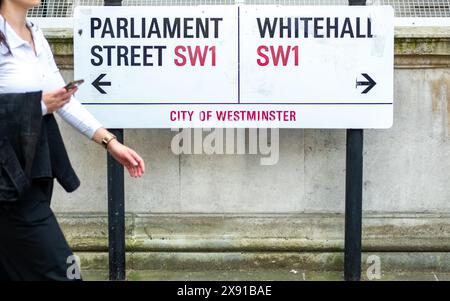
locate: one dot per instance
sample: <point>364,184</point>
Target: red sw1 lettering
<point>187,55</point>
<point>277,55</point>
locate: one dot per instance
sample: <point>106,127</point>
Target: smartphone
<point>73,84</point>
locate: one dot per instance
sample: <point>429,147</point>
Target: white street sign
<point>236,66</point>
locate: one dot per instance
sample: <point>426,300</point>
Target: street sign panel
<point>236,66</point>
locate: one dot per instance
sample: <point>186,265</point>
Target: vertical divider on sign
<point>353,198</point>
<point>116,205</point>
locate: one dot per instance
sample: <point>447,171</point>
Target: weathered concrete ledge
<point>292,243</point>
<point>422,47</point>
<point>273,261</point>
<point>418,47</point>
<point>314,232</point>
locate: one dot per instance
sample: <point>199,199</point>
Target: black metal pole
<point>357,2</point>
<point>116,215</point>
<point>353,198</point>
<point>113,2</point>
<point>116,205</point>
<point>353,205</point>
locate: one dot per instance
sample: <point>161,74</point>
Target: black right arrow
<point>97,84</point>
<point>370,83</point>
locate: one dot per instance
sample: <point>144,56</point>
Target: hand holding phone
<point>72,84</point>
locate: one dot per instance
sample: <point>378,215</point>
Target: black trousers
<point>32,245</point>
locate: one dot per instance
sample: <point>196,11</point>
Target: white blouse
<point>23,70</point>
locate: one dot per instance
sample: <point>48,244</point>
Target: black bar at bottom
<point>353,205</point>
<point>116,215</point>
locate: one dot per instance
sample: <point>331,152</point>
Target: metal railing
<point>403,8</point>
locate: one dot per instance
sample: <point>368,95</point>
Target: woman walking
<point>32,245</point>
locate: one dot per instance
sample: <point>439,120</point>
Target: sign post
<point>256,66</point>
<point>116,205</point>
<point>353,197</point>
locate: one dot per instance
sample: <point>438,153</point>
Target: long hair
<point>2,35</point>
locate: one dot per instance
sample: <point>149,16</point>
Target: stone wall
<point>231,203</point>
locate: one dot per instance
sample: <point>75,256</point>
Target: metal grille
<point>417,8</point>
<point>403,8</point>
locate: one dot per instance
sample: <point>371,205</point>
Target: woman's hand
<point>54,100</point>
<point>123,154</point>
<point>127,157</point>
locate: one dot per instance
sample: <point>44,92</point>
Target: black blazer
<point>31,146</point>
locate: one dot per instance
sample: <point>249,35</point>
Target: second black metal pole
<point>353,205</point>
<point>353,198</point>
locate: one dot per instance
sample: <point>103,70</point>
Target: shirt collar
<point>14,40</point>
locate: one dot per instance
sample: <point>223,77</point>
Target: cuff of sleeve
<point>43,107</point>
<point>90,133</point>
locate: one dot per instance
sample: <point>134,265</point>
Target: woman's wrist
<point>108,139</point>
<point>103,137</point>
<point>111,144</point>
<point>100,134</point>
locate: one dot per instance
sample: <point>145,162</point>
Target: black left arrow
<point>97,84</point>
<point>370,83</point>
